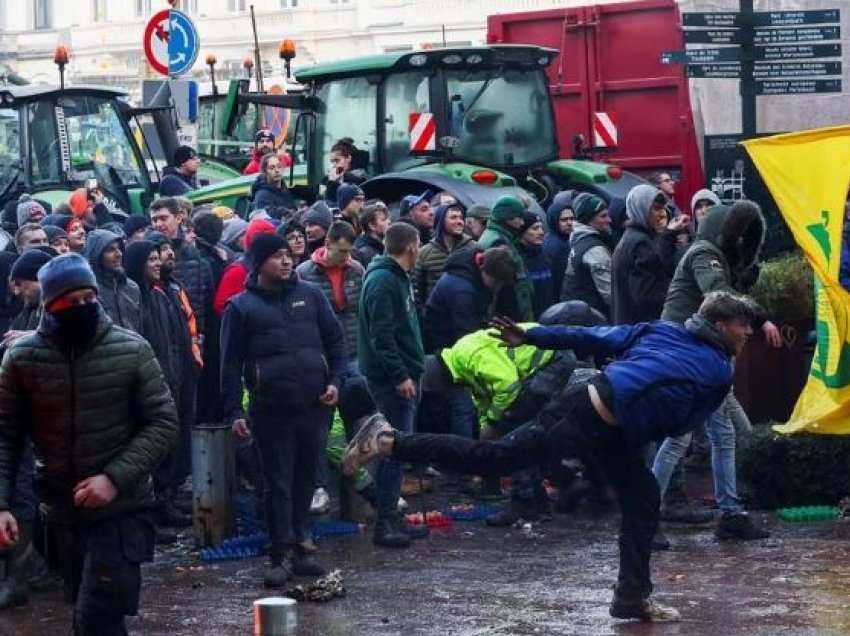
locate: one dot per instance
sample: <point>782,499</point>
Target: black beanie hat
<point>528,219</point>
<point>586,206</point>
<point>208,227</point>
<point>54,233</point>
<point>183,154</point>
<point>134,223</point>
<point>263,246</point>
<point>27,266</point>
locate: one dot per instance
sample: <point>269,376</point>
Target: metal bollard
<point>275,616</point>
<point>213,483</point>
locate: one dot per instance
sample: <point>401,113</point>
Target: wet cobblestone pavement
<point>471,580</point>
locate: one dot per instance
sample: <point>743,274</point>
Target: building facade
<point>104,37</point>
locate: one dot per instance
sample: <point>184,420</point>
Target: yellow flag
<point>808,175</point>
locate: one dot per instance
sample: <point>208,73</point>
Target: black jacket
<point>367,247</point>
<point>175,183</point>
<point>288,347</point>
<point>194,275</point>
<point>459,303</point>
<point>641,269</point>
<point>273,199</point>
<point>106,410</point>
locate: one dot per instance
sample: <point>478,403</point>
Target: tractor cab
<point>53,141</point>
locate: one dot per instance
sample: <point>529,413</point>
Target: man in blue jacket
<point>282,337</point>
<point>667,379</point>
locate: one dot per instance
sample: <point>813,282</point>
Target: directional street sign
<point>795,35</point>
<point>701,56</point>
<point>171,42</point>
<point>714,36</point>
<point>795,18</point>
<point>716,20</point>
<point>796,69</point>
<point>797,87</point>
<point>714,71</point>
<point>797,51</point>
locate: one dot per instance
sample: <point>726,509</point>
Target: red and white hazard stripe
<point>423,132</point>
<point>604,131</point>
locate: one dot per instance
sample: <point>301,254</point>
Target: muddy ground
<point>471,580</point>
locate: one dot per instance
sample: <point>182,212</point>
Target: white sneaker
<point>321,503</point>
<point>401,505</point>
<point>364,445</point>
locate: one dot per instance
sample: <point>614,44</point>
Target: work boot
<point>167,515</point>
<point>660,541</point>
<point>364,445</point>
<point>279,572</point>
<point>515,510</point>
<point>14,589</point>
<point>414,531</point>
<point>686,513</point>
<point>304,564</point>
<point>389,535</point>
<point>321,503</point>
<point>644,609</point>
<point>739,526</point>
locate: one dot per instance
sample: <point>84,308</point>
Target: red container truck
<point>610,62</point>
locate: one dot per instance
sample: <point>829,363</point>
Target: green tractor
<point>53,141</point>
<point>476,122</point>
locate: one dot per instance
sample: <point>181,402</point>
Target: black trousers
<point>568,425</point>
<point>289,446</point>
<point>101,566</point>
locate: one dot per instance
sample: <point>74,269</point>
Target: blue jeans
<point>721,432</point>
<point>463,414</point>
<point>401,414</point>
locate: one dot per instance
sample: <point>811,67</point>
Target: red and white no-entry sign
<point>604,131</point>
<point>423,132</point>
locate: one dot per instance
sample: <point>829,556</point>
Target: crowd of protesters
<point>277,322</point>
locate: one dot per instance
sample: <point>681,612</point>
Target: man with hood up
<point>449,223</point>
<point>588,273</point>
<point>645,258</point>
<point>556,245</point>
<point>119,295</point>
<point>700,202</point>
<point>723,258</point>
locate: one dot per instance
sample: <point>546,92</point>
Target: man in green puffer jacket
<point>505,228</point>
<point>93,399</point>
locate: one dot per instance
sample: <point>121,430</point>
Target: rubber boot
<point>14,590</point>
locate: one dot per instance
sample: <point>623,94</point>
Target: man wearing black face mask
<point>93,399</point>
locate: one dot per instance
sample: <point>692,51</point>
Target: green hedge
<point>793,470</point>
<point>785,288</point>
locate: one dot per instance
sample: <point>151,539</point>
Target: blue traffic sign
<point>183,43</point>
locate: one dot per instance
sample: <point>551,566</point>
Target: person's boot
<point>305,564</point>
<point>644,609</point>
<point>14,590</point>
<point>414,531</point>
<point>515,510</point>
<point>739,527</point>
<point>279,571</point>
<point>389,535</point>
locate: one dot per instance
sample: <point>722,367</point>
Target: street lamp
<point>211,62</point>
<point>287,54</point>
<point>60,59</point>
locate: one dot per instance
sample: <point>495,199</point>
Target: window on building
<point>42,14</point>
<point>288,4</point>
<point>98,10</point>
<point>237,5</point>
<point>143,8</point>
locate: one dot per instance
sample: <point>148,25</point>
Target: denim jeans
<point>401,414</point>
<point>721,432</point>
<point>463,415</point>
<point>290,446</point>
<point>568,426</point>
